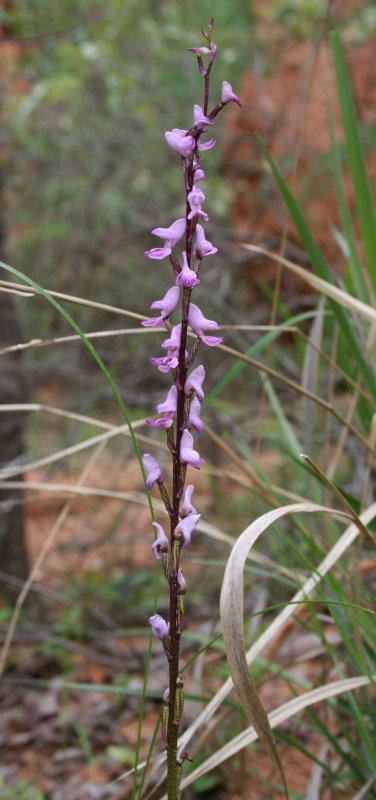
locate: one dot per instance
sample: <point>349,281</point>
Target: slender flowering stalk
<point>179,413</point>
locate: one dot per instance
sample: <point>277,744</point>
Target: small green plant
<point>22,790</point>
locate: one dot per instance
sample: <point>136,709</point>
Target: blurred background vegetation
<point>91,88</point>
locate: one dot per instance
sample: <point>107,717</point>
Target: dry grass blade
<point>231,609</point>
<point>212,531</point>
<point>59,412</point>
<point>328,289</point>
<point>281,621</point>
<point>19,292</point>
<point>80,301</point>
<point>9,472</point>
<point>315,783</point>
<point>363,792</point>
<point>13,348</point>
<point>275,718</point>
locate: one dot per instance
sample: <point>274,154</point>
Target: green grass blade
<point>363,195</point>
<point>321,268</point>
<point>354,263</point>
<point>291,441</point>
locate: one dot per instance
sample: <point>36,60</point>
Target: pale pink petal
<point>186,506</point>
<point>195,420</point>
<point>187,454</point>
<point>159,626</point>
<point>160,544</point>
<point>194,382</point>
<point>186,527</point>
<point>203,247</point>
<point>228,94</point>
<point>153,470</point>
<point>169,405</point>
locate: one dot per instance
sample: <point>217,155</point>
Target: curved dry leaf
<point>231,610</point>
<point>280,621</point>
<point>275,717</point>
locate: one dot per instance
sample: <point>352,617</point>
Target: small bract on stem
<point>179,413</point>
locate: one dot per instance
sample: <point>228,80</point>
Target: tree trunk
<point>13,552</point>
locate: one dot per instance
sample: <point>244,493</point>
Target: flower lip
<point>187,277</point>
<point>195,198</point>
<point>207,145</point>
<point>165,363</point>
<point>172,344</point>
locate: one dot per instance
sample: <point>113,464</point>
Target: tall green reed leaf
<point>322,269</point>
<point>363,194</point>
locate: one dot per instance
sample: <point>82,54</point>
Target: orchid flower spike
<point>170,235</point>
<point>159,626</point>
<point>153,470</point>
